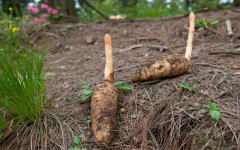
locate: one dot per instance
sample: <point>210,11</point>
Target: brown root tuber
<point>168,66</point>
<point>104,103</point>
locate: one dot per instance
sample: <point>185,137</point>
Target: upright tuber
<point>104,103</point>
<point>168,66</point>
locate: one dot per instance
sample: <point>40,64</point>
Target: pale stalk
<point>188,53</point>
<point>109,59</point>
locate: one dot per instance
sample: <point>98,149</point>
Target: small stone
<point>122,110</point>
<point>142,101</point>
<point>62,67</point>
<point>50,74</point>
<point>237,73</point>
<point>133,116</point>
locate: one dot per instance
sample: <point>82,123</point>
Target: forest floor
<point>157,115</point>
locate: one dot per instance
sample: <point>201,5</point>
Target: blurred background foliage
<point>130,8</point>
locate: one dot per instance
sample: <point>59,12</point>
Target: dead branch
<point>222,52</point>
<point>130,48</point>
<point>127,67</point>
<point>158,47</point>
<point>210,65</point>
<point>98,11</point>
<point>208,27</point>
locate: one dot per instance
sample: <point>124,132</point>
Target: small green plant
<point>120,136</point>
<point>23,97</point>
<point>121,86</point>
<point>200,23</point>
<point>213,111</point>
<point>76,140</point>
<point>88,93</point>
<point>89,119</point>
<point>186,97</point>
<point>186,86</point>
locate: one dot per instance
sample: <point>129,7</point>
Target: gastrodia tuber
<point>168,66</point>
<point>104,103</point>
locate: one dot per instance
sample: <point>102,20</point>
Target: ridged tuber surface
<point>168,66</point>
<point>104,106</point>
<point>104,103</point>
<point>165,66</point>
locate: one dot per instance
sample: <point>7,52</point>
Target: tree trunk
<point>236,3</point>
<point>187,4</point>
<point>67,11</point>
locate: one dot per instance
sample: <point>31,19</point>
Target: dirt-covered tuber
<point>168,66</point>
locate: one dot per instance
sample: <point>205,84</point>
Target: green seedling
<point>76,140</point>
<point>213,111</point>
<point>121,86</point>
<point>186,86</point>
<point>89,119</point>
<point>186,97</point>
<point>200,23</point>
<point>120,136</point>
<point>88,93</point>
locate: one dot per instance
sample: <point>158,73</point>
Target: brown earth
<point>151,115</point>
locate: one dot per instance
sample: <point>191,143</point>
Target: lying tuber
<point>104,103</point>
<point>168,66</point>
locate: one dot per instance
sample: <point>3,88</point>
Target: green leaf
<point>76,140</point>
<point>84,149</point>
<point>186,97</point>
<point>185,85</point>
<point>212,106</point>
<point>121,86</point>
<point>1,135</point>
<point>117,84</point>
<point>85,86</point>
<point>194,86</point>
<point>86,96</point>
<point>215,114</point>
<point>125,87</point>
<point>213,22</point>
<point>71,149</point>
<point>86,92</point>
<point>202,111</point>
<point>77,148</point>
<point>89,119</point>
<point>120,136</point>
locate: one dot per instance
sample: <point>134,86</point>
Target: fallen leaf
<point>235,67</point>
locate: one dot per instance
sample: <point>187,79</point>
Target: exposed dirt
<point>151,115</point>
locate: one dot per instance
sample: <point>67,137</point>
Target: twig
<point>154,139</point>
<point>127,67</point>
<point>210,65</point>
<point>158,47</point>
<point>208,27</point>
<point>222,52</point>
<point>146,38</point>
<point>229,27</point>
<point>130,48</point>
<point>90,5</point>
<point>150,82</point>
<point>51,34</point>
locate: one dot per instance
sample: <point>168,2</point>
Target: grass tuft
<point>22,90</point>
